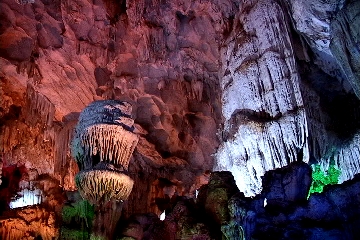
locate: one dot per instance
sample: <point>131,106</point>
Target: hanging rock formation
<point>265,124</point>
<point>102,146</point>
<point>333,112</point>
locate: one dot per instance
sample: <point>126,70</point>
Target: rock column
<point>102,146</point>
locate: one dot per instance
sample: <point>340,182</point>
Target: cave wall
<point>257,83</point>
<point>162,57</point>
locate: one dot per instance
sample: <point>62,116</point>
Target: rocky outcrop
<point>345,41</point>
<point>312,22</point>
<point>280,211</point>
<point>30,223</point>
<point>326,215</point>
<point>265,125</point>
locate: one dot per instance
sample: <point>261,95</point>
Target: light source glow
<point>28,198</point>
<point>162,216</point>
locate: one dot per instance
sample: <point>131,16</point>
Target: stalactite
<point>347,158</point>
<point>105,129</point>
<point>197,89</point>
<point>265,121</point>
<point>102,145</point>
<point>325,147</point>
<point>114,144</point>
<point>63,138</point>
<point>39,108</point>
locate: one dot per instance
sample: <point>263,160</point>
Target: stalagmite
<point>102,146</point>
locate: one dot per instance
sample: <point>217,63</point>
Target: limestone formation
<point>345,41</point>
<point>98,186</point>
<point>102,146</point>
<point>104,132</point>
<point>29,223</point>
<point>265,123</point>
<point>330,29</point>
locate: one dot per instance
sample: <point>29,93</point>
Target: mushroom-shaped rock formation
<point>103,185</point>
<point>102,146</point>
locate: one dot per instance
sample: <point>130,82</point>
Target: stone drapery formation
<point>327,28</point>
<point>265,124</point>
<point>274,104</point>
<point>102,146</point>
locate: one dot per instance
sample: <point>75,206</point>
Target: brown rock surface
<point>165,66</point>
<point>29,223</point>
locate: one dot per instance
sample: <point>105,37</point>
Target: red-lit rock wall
<point>163,57</point>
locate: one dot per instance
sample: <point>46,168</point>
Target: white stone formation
<point>347,158</point>
<point>265,122</point>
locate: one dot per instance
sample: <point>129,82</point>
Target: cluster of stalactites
<point>112,143</point>
<point>103,185</point>
<point>102,146</point>
<point>105,130</point>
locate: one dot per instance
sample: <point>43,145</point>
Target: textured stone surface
<point>314,26</point>
<point>345,42</point>
<point>332,214</point>
<point>183,221</point>
<point>328,33</point>
<point>16,45</point>
<point>265,125</point>
<point>29,223</point>
<point>187,67</point>
<point>166,67</point>
<point>287,186</point>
